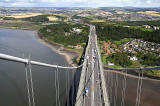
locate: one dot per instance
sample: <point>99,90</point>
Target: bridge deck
<point>92,77</point>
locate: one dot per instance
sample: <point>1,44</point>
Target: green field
<point>122,41</point>
<point>104,61</point>
<point>90,16</point>
<point>141,28</point>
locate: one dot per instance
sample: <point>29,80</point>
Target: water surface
<point>150,95</point>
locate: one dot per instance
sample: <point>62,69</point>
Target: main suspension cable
<point>141,82</point>
<point>137,97</point>
<point>68,87</point>
<point>58,87</point>
<point>111,87</point>
<point>27,82</point>
<point>32,86</point>
<point>72,87</point>
<point>116,87</point>
<point>124,88</point>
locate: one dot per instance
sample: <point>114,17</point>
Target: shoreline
<point>16,28</point>
<point>69,55</point>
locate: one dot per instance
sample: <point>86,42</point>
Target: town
<point>138,45</point>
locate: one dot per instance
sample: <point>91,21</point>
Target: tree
<point>62,33</point>
<point>118,32</point>
<point>39,18</point>
<point>120,58</point>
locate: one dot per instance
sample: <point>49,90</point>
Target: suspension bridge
<point>94,88</point>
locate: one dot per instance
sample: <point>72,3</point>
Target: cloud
<point>79,3</point>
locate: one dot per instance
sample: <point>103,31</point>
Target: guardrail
<point>79,98</point>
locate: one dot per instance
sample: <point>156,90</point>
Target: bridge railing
<point>103,83</point>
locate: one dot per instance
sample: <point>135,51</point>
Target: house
<point>156,28</point>
<point>77,30</point>
<point>152,49</point>
<point>147,26</point>
<point>78,46</point>
<point>134,58</point>
<point>106,46</point>
<point>108,51</point>
<point>110,64</point>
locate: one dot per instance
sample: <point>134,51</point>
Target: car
<point>94,57</point>
<point>86,92</point>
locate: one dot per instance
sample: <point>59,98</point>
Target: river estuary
<point>13,91</point>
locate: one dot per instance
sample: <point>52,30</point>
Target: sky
<point>79,3</point>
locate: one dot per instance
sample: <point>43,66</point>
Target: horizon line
<point>83,7</point>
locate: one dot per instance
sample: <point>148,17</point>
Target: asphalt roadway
<point>93,75</point>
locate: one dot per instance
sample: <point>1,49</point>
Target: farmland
<point>52,18</point>
<point>24,15</point>
<point>153,13</point>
